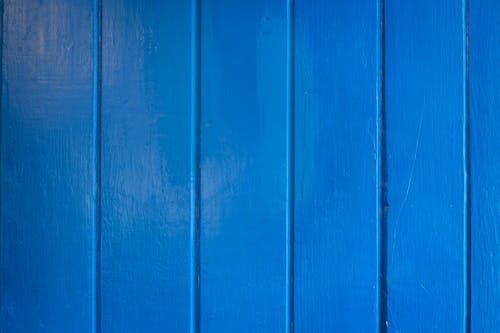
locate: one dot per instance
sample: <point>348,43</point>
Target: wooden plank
<point>336,78</point>
<point>145,166</point>
<point>46,167</point>
<point>484,83</point>
<point>424,105</point>
<point>243,164</point>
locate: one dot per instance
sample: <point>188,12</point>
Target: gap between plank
<point>97,149</point>
<point>466,166</point>
<point>194,313</point>
<point>290,160</point>
<point>382,177</point>
<point>1,150</point>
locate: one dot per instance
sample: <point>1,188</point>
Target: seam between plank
<point>290,160</point>
<point>194,322</point>
<point>1,151</point>
<point>382,180</point>
<point>97,149</point>
<point>466,166</point>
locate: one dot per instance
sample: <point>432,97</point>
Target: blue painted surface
<point>146,87</point>
<point>424,108</point>
<point>243,163</point>
<point>46,167</point>
<point>336,166</point>
<point>484,99</point>
<point>249,166</point>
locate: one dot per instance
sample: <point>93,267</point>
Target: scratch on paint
<point>424,288</point>
<point>408,188</point>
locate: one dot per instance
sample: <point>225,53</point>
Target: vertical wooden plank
<point>46,167</point>
<point>484,60</point>
<point>243,161</point>
<point>145,166</point>
<point>424,105</point>
<point>336,83</point>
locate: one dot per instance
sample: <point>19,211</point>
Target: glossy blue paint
<point>249,166</point>
<point>336,266</point>
<point>243,165</point>
<point>424,108</point>
<point>484,103</point>
<point>46,166</point>
<point>146,89</point>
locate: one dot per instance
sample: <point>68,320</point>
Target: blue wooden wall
<point>250,166</point>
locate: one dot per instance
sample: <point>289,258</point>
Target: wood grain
<point>146,87</point>
<point>484,90</point>
<point>249,166</point>
<point>424,105</point>
<point>46,167</point>
<point>243,164</point>
<point>336,73</point>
